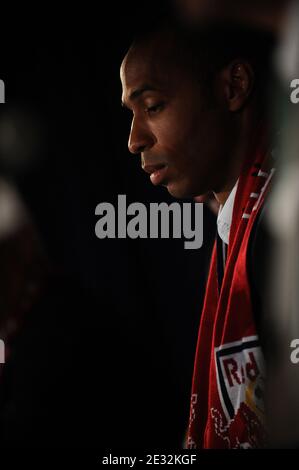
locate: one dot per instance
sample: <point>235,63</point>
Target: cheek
<point>173,133</point>
<point>169,129</point>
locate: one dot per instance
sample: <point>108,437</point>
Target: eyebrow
<point>138,92</point>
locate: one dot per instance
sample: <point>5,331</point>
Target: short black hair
<point>209,48</point>
<point>218,44</point>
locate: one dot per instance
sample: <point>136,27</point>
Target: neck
<point>222,197</point>
<point>245,142</point>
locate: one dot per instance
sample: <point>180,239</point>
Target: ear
<point>237,84</point>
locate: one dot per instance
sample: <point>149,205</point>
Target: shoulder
<point>258,264</point>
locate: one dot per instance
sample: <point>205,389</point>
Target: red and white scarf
<point>227,409</point>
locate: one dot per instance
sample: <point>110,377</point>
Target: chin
<point>180,192</point>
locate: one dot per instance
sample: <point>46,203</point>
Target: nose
<point>140,139</point>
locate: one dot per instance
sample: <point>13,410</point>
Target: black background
<point>105,358</point>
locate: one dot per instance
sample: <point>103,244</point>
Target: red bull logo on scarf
<point>240,372</point>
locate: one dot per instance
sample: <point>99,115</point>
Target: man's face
<point>181,136</point>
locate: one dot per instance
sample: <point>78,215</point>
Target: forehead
<point>153,62</point>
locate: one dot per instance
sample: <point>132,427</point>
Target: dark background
<point>105,357</point>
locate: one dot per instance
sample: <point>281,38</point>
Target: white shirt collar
<point>225,215</point>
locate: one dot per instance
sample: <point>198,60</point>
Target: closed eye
<point>154,109</point>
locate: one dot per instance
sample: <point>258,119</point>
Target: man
<point>280,220</point>
<point>198,104</point>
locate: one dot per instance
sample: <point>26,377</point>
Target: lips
<point>157,173</point>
